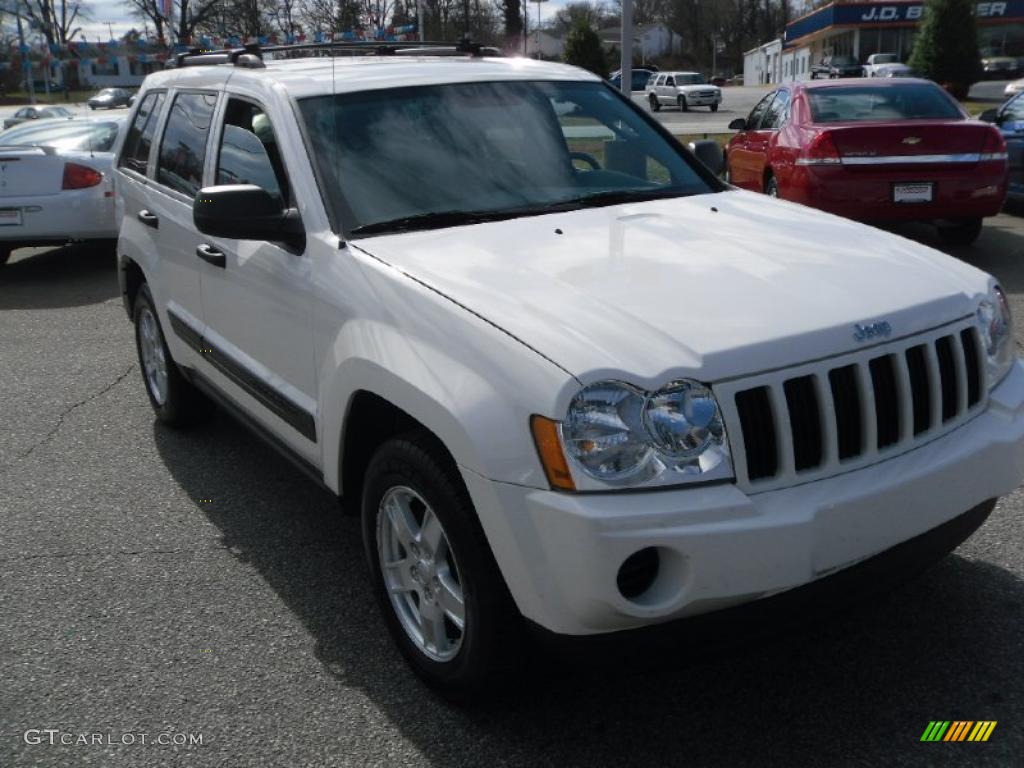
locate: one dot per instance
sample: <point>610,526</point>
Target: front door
<point>256,295</point>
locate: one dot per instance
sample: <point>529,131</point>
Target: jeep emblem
<point>877,330</point>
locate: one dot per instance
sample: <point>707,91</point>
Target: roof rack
<point>252,55</point>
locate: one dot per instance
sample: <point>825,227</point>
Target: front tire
<point>5,254</point>
<point>960,233</point>
<point>771,187</point>
<point>175,401</point>
<point>714,107</point>
<point>443,598</point>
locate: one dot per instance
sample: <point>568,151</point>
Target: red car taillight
<point>80,176</point>
<point>995,146</point>
<point>821,151</point>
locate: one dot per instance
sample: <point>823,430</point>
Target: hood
<point>714,286</point>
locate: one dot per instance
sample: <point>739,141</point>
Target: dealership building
<point>859,29</point>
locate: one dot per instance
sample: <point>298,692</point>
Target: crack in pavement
<point>67,412</point>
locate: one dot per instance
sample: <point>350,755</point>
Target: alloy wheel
<point>151,350</point>
<point>420,573</point>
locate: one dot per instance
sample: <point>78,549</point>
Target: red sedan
<point>893,150</point>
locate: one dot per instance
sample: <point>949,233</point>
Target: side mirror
<point>989,116</point>
<point>710,153</point>
<point>247,212</point>
<point>739,124</point>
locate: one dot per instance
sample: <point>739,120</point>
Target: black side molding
<point>276,402</point>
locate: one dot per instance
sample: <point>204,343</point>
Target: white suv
<point>562,372</point>
<point>683,90</point>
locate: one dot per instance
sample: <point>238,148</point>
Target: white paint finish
<point>471,330</point>
<point>563,551</point>
<point>653,291</point>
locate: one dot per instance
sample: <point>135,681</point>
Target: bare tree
<point>55,19</point>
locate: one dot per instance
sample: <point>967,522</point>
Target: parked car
<point>591,398</point>
<point>56,184</point>
<point>1000,67</point>
<point>683,90</point>
<point>36,113</point>
<point>895,70</point>
<point>1009,118</point>
<point>837,66</point>
<point>1013,88</point>
<point>108,98</point>
<point>877,60</point>
<point>888,150</point>
<point>639,78</point>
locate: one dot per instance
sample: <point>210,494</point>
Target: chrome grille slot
<point>824,418</point>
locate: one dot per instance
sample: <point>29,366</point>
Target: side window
<point>183,146</point>
<point>777,113</point>
<point>757,113</point>
<point>135,154</point>
<point>670,81</point>
<point>660,80</point>
<point>249,152</point>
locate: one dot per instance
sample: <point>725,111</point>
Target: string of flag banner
<point>143,51</point>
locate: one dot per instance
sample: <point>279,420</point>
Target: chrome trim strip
<point>968,157</point>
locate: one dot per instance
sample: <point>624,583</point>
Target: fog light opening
<point>638,572</point>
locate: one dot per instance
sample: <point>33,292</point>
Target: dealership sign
<point>855,14</point>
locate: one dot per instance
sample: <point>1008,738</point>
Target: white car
<point>683,90</point>
<point>575,382</point>
<point>1013,88</point>
<point>877,61</point>
<point>56,184</point>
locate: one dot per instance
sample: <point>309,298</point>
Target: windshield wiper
<point>614,196</point>
<point>441,219</point>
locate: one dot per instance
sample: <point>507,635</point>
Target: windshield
<point>843,61</point>
<point>690,78</point>
<point>432,153</point>
<point>55,112</point>
<point>885,58</point>
<point>864,103</point>
<point>93,136</point>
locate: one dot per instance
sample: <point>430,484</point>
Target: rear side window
<point>183,147</point>
<point>135,154</point>
<point>864,103</point>
<point>249,152</point>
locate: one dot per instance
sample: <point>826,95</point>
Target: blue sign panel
<point>871,14</point>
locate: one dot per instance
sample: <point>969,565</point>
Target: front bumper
<point>697,100</point>
<point>560,553</point>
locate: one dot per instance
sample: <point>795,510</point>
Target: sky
<point>117,14</point>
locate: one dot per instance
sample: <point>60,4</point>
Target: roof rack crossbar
<point>251,55</point>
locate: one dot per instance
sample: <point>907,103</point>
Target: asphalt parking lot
<point>191,583</point>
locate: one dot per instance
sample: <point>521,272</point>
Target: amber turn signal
<point>549,448</point>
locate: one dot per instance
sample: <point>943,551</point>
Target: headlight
<point>620,435</point>
<point>996,327</point>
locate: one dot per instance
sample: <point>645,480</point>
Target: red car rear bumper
<point>960,192</point>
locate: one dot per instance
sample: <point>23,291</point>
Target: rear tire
<point>441,570</point>
<point>655,104</point>
<point>683,106</point>
<point>714,107</point>
<point>771,187</point>
<point>176,402</point>
<point>959,234</point>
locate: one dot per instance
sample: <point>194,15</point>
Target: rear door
<point>180,164</point>
<point>257,297</point>
<point>134,167</point>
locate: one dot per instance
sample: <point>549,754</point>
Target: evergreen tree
<point>583,49</point>
<point>946,49</point>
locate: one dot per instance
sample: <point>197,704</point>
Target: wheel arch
<point>130,278</point>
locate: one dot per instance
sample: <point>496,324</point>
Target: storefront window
<point>1001,40</point>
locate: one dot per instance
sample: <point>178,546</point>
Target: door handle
<point>211,255</point>
<point>149,219</point>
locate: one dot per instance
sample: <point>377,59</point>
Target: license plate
<point>913,193</point>
<point>10,217</point>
